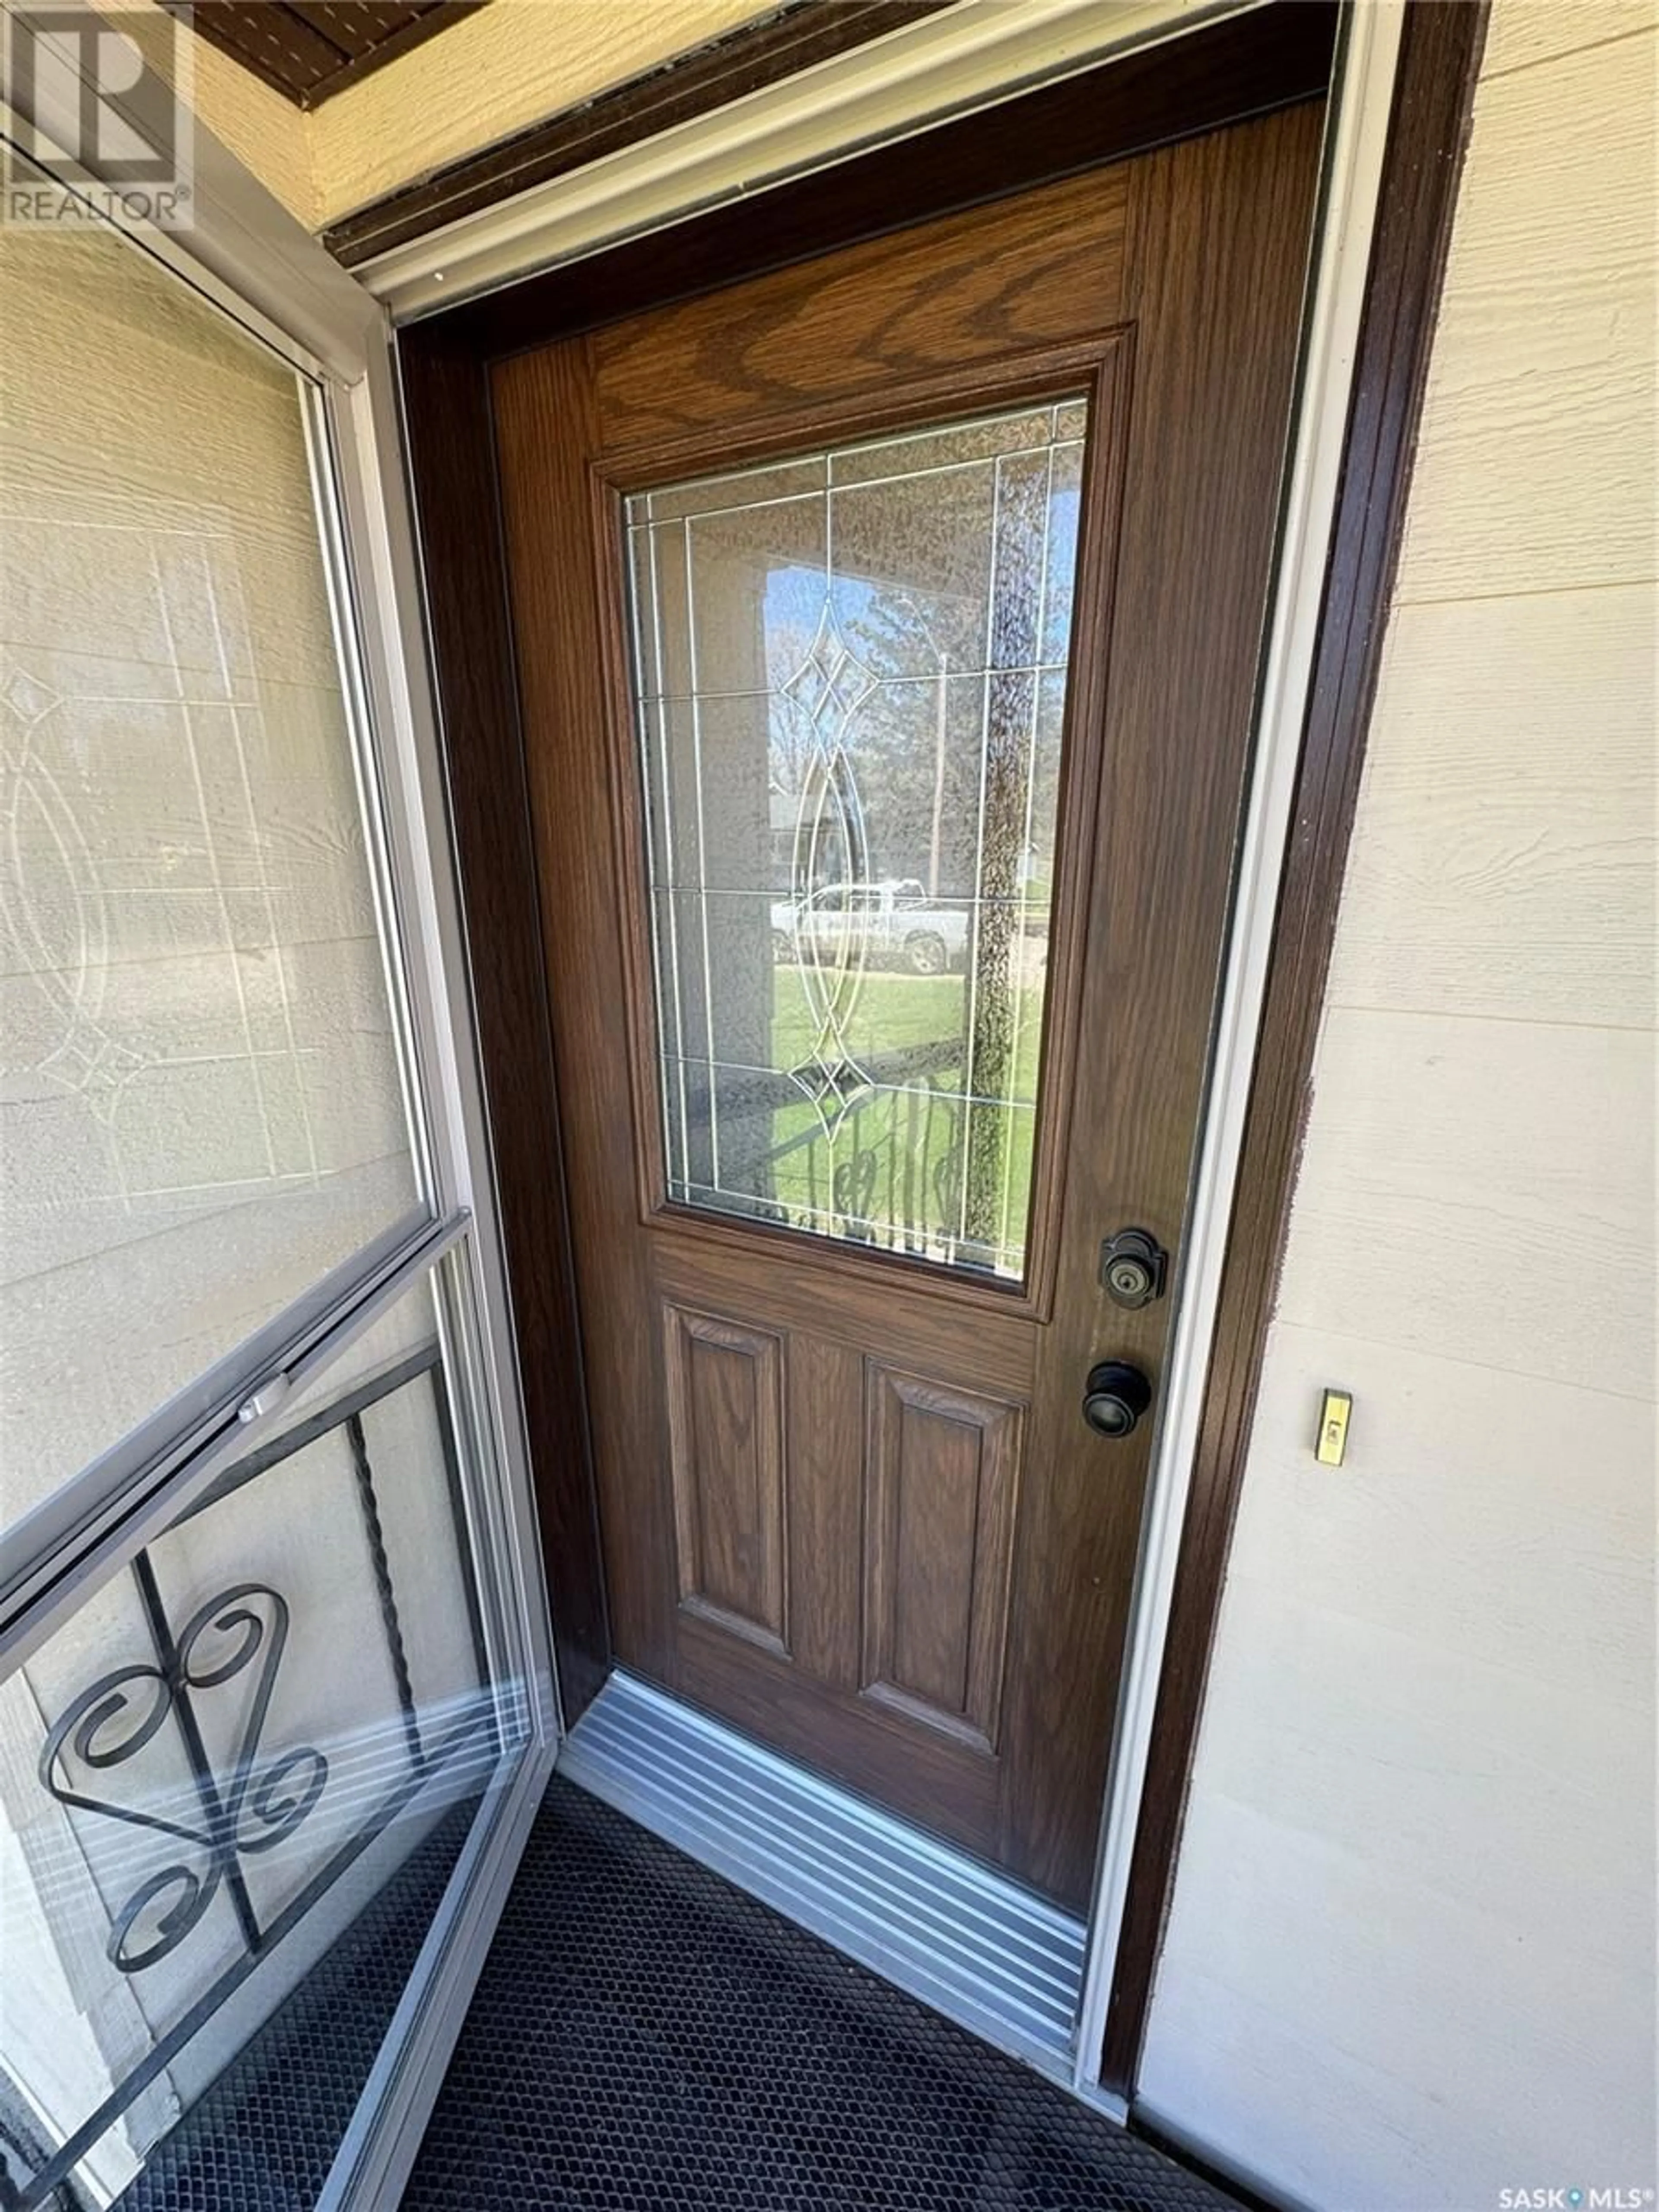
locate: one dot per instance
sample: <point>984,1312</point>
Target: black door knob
<point>1115,1397</point>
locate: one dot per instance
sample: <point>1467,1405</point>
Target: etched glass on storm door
<point>850,675</point>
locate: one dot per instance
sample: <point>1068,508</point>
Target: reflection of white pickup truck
<point>894,923</point>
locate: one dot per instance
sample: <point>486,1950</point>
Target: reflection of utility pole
<point>939,779</point>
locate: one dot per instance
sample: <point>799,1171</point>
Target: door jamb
<point>1285,925</point>
<point>1402,87</point>
<point>1363,90</point>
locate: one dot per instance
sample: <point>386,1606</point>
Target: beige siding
<point>1536,469</point>
<point>1410,1957</point>
<point>1503,868</point>
<point>265,132</point>
<point>481,80</point>
<point>1527,31</point>
<point>512,63</point>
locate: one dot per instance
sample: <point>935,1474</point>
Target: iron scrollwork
<point>256,1808</point>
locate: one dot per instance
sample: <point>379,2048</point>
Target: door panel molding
<point>725,1392</point>
<point>996,1354</point>
<point>947,1786</point>
<point>880,402</point>
<point>941,1471</point>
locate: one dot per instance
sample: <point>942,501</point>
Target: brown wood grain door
<point>888,629</point>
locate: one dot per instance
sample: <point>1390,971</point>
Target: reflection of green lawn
<point>901,1145</point>
<point>890,1013</point>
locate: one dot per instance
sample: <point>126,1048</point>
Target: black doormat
<point>646,2036</point>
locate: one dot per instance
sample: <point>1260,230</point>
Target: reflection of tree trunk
<point>991,1044</point>
<point>1019,531</point>
<point>940,719</point>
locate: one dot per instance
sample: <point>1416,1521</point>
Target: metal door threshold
<point>979,1948</point>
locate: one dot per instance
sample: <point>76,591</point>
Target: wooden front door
<point>888,629</point>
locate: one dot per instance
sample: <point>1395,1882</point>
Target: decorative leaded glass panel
<point>851,686</point>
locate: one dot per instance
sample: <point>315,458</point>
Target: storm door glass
<point>202,1108</point>
<point>850,673</point>
<point>264,1690</point>
<point>235,1781</point>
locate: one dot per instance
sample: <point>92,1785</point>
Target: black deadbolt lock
<point>1133,1267</point>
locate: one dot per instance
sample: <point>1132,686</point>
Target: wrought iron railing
<point>903,1187</point>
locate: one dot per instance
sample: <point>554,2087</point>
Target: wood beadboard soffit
<point>309,49</point>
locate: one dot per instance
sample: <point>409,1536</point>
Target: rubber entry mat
<point>645,2037</point>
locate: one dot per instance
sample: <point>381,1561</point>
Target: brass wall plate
<point>1332,1445</point>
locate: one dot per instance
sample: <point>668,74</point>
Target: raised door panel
<point>941,1470</point>
<point>926,1335</point>
<point>725,1461</point>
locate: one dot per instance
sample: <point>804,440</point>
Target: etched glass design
<point>850,679</point>
<point>201,1110</point>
